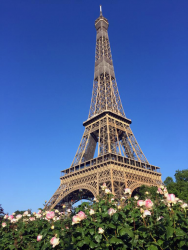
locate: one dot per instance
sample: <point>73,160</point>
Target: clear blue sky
<point>47,50</point>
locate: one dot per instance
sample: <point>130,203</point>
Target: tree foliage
<point>180,186</point>
<point>1,211</point>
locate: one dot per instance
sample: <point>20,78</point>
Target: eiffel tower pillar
<point>120,162</point>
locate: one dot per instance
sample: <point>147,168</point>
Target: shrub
<point>128,223</point>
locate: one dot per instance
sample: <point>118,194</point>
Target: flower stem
<point>105,237</point>
<point>155,241</point>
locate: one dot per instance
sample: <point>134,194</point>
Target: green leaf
<point>86,241</point>
<point>45,246</point>
<point>182,243</point>
<point>153,247</point>
<point>116,241</point>
<point>135,240</point>
<point>92,244</point>
<point>169,232</point>
<point>91,231</point>
<point>119,227</point>
<point>98,237</point>
<point>87,223</point>
<point>180,232</point>
<point>125,230</point>
<point>124,247</point>
<point>160,242</point>
<point>112,226</point>
<point>73,239</point>
<point>12,247</point>
<point>115,217</point>
<point>79,230</point>
<point>80,243</point>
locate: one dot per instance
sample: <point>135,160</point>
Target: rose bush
<point>107,223</point>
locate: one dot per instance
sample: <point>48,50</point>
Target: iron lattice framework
<point>119,159</point>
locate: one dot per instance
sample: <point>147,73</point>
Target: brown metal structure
<point>119,160</point>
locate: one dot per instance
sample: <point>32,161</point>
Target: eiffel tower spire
<point>105,94</point>
<point>119,161</point>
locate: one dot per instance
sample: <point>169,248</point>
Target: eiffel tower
<point>119,161</point>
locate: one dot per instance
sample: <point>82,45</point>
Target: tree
<point>168,181</point>
<point>19,212</point>
<point>182,176</point>
<point>22,211</point>
<point>1,212</point>
<point>180,186</point>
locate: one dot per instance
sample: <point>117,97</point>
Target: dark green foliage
<point>18,212</point>
<point>180,186</point>
<point>168,181</point>
<point>1,213</point>
<point>1,210</point>
<point>151,190</point>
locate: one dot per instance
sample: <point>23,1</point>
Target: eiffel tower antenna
<point>119,159</point>
<point>100,10</point>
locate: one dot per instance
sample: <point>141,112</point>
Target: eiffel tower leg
<point>78,186</point>
<point>86,148</point>
<point>112,181</point>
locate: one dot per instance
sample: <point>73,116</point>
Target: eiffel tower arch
<point>120,162</point>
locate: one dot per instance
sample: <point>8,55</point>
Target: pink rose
<point>11,217</point>
<point>111,211</point>
<point>4,224</point>
<point>148,203</point>
<point>54,241</point>
<point>19,216</point>
<point>104,186</point>
<point>171,198</point>
<point>91,212</point>
<point>184,205</point>
<point>39,212</point>
<point>107,191</point>
<point>39,237</point>
<point>146,212</point>
<point>14,220</point>
<point>50,215</point>
<point>38,216</point>
<point>127,191</point>
<point>82,215</point>
<point>6,216</point>
<point>32,218</point>
<point>160,191</point>
<point>25,213</point>
<point>159,218</point>
<point>75,219</point>
<point>140,203</point>
<point>100,230</point>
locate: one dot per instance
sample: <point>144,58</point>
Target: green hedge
<point>107,223</point>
